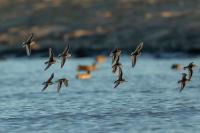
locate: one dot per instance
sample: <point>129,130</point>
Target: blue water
<point>149,102</point>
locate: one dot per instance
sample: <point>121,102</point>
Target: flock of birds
<point>63,56</point>
<point>186,79</point>
<point>116,65</point>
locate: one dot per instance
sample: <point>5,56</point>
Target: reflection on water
<point>150,101</point>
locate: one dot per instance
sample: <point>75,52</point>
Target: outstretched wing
<point>140,46</point>
<point>45,87</point>
<point>138,49</point>
<point>63,61</point>
<point>30,38</point>
<point>28,49</point>
<point>116,84</point>
<point>182,86</point>
<point>51,54</point>
<point>47,66</point>
<point>115,60</point>
<point>59,86</point>
<point>190,73</point>
<point>120,73</point>
<point>52,76</point>
<point>67,48</point>
<point>134,60</point>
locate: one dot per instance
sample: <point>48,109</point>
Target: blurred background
<point>148,102</point>
<point>97,26</point>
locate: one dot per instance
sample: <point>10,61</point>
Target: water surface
<point>149,102</point>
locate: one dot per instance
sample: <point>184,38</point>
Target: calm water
<point>149,102</point>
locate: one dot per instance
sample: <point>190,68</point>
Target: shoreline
<point>163,55</point>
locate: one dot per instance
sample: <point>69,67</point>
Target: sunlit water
<point>149,102</point>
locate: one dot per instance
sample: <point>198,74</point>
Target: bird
<point>120,78</point>
<point>60,82</point>
<point>27,44</point>
<point>116,64</point>
<point>48,82</point>
<point>136,53</point>
<point>115,59</point>
<point>92,67</point>
<point>190,69</point>
<point>51,59</point>
<point>183,81</point>
<point>115,53</point>
<point>116,67</point>
<point>64,55</point>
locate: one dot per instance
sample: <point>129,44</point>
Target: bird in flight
<point>27,44</point>
<point>120,78</point>
<point>183,81</point>
<point>60,82</point>
<point>190,69</point>
<point>136,53</point>
<point>115,53</point>
<point>51,59</point>
<point>116,64</point>
<point>48,82</point>
<point>64,55</point>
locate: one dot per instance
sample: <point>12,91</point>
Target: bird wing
<point>120,73</point>
<point>67,47</point>
<point>51,54</point>
<point>115,60</point>
<point>134,60</point>
<point>45,87</point>
<point>116,84</point>
<point>140,46</point>
<point>63,62</point>
<point>30,38</point>
<point>66,83</point>
<point>138,49</point>
<point>59,86</point>
<point>47,66</point>
<point>28,49</point>
<point>52,76</point>
<point>114,69</point>
<point>190,73</point>
<point>66,50</point>
<point>182,86</point>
